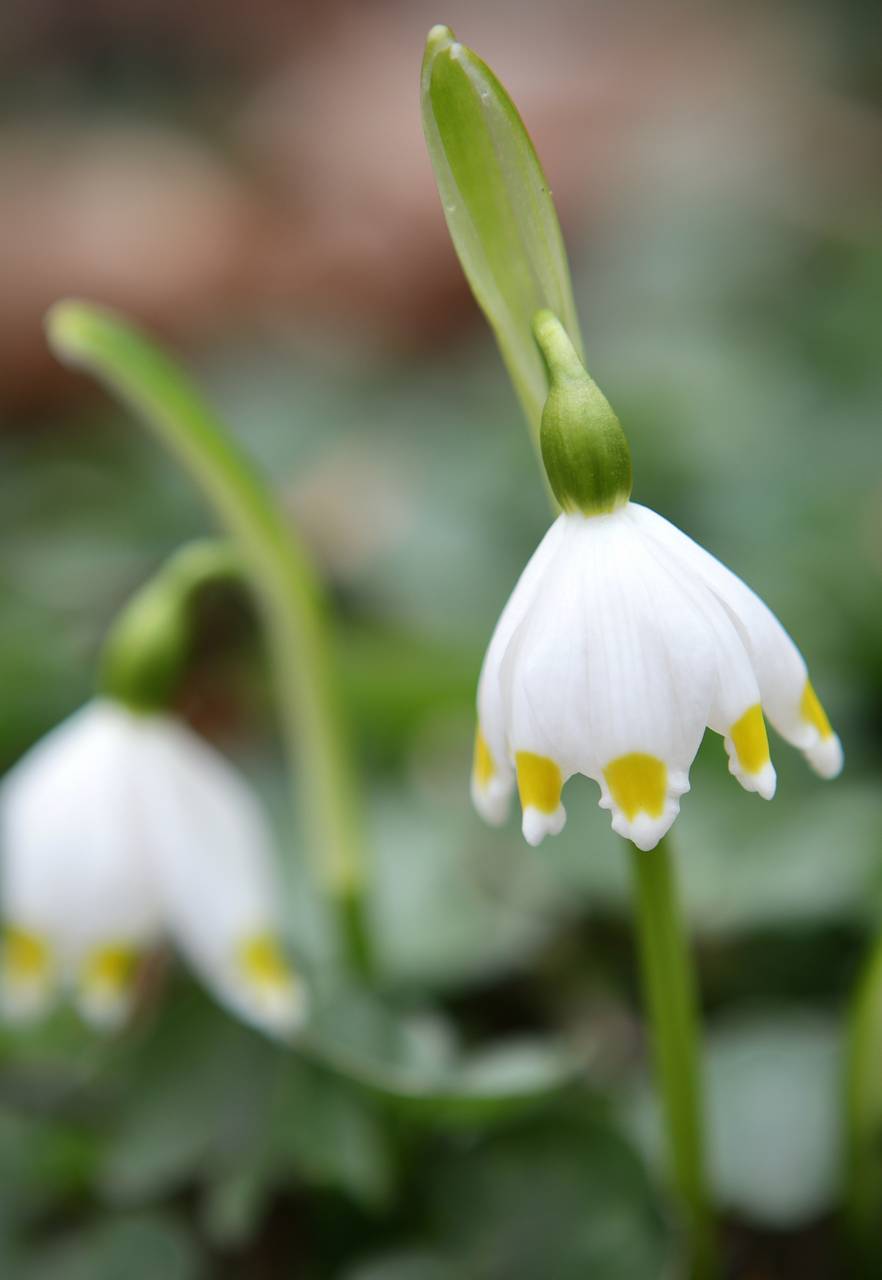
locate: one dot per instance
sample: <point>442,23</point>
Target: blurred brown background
<point>209,167</point>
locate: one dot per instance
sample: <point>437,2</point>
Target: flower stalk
<point>863,1118</point>
<point>669,992</point>
<point>280,573</point>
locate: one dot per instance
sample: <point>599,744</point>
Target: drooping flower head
<point>622,641</point>
<point>117,829</point>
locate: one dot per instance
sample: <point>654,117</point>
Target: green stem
<point>669,991</point>
<point>280,572</point>
<point>863,1118</point>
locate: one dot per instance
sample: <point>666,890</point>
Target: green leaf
<point>416,1061</point>
<point>43,1166</point>
<point>498,208</point>
<point>512,1076</point>
<point>184,1113</point>
<point>233,1204</point>
<point>204,1103</point>
<point>136,1247</point>
<point>330,1135</point>
<point>773,1087</point>
<point>562,1196</point>
<point>773,1099</point>
<point>453,903</point>
<point>410,1265</point>
<point>207,1103</point>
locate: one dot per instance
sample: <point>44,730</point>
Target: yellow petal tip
<point>813,713</point>
<point>483,765</point>
<point>637,784</point>
<point>540,782</point>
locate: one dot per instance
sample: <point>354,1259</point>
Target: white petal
<point>736,696</point>
<point>536,824</point>
<point>103,1008</point>
<point>73,870</point>
<point>105,989</point>
<point>779,666</point>
<point>826,756</point>
<point>28,976</point>
<point>491,797</point>
<point>214,861</point>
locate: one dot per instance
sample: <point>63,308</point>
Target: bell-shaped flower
<point>120,828</point>
<point>622,641</point>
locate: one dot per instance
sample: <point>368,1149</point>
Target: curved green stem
<point>287,590</point>
<point>863,1118</point>
<point>669,989</point>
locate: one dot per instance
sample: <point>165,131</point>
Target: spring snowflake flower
<point>119,828</point>
<point>621,642</point>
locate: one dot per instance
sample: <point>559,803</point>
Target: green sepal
<point>148,645</point>
<point>498,207</point>
<point>584,449</point>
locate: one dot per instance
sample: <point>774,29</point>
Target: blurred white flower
<point>119,828</point>
<point>622,640</point>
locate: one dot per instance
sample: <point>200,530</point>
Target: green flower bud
<point>584,449</point>
<point>148,645</point>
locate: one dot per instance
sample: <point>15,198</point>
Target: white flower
<point>622,640</point>
<point>119,828</point>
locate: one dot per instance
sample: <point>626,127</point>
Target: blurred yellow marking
<point>750,740</point>
<point>483,766</point>
<point>25,955</point>
<point>263,962</point>
<point>637,783</point>
<point>810,709</point>
<point>110,968</point>
<point>539,782</point>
